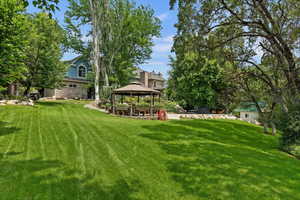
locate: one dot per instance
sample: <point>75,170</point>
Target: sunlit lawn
<point>62,151</point>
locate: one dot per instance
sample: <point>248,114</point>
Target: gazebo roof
<point>135,88</point>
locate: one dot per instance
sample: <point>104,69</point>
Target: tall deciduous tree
<point>195,81</point>
<point>97,21</point>
<point>124,34</point>
<point>44,68</point>
<point>268,25</point>
<point>12,41</point>
<point>260,37</point>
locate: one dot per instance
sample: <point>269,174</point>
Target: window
<point>81,71</point>
<point>72,86</point>
<point>246,115</point>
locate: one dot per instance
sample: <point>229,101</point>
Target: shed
<point>248,110</point>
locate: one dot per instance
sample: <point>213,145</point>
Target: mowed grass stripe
<point>55,152</point>
<point>16,126</point>
<point>96,152</point>
<point>6,123</point>
<point>61,132</point>
<point>40,134</point>
<point>96,135</point>
<point>131,150</point>
<point>52,128</point>
<point>93,156</point>
<point>113,164</point>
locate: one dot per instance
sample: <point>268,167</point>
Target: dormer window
<point>82,72</point>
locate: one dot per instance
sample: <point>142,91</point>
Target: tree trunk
<point>273,128</point>
<point>27,90</point>
<point>94,4</point>
<point>266,128</point>
<point>41,92</point>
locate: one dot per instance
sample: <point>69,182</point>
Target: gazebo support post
<point>131,111</point>
<point>113,104</point>
<point>151,104</point>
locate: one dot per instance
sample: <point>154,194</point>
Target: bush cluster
<point>289,123</point>
<point>13,97</point>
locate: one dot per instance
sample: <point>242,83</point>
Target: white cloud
<point>162,48</point>
<point>163,16</point>
<point>163,45</point>
<point>86,38</point>
<point>168,39</point>
<point>154,63</point>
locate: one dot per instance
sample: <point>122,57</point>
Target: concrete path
<point>94,107</point>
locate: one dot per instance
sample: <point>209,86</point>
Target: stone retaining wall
<point>201,116</point>
<point>16,102</point>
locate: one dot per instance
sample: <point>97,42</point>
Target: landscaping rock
<point>2,102</point>
<point>26,103</point>
<point>201,116</point>
<point>12,102</point>
<point>17,102</point>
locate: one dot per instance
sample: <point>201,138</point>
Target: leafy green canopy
<point>48,5</point>
<point>12,41</point>
<point>198,77</point>
<point>195,81</point>
<point>44,52</point>
<point>260,34</point>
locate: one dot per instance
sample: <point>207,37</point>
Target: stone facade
<point>151,80</point>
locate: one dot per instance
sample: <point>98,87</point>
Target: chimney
<point>146,79</point>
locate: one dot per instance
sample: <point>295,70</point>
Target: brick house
<point>151,80</point>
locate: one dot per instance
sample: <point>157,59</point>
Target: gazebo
<point>134,89</point>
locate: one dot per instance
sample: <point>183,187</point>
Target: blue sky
<point>161,50</point>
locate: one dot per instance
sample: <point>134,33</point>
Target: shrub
<point>121,105</point>
<point>143,104</point>
<point>289,123</point>
<point>13,97</point>
<point>295,150</point>
<point>159,106</point>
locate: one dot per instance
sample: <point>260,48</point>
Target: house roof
<point>135,88</point>
<point>249,107</point>
<point>74,59</point>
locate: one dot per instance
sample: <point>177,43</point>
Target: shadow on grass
<point>6,130</point>
<point>226,160</point>
<point>51,180</point>
<point>48,103</point>
<point>2,155</point>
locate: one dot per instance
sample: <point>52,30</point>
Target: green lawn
<point>62,151</point>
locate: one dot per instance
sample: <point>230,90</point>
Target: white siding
<point>249,115</point>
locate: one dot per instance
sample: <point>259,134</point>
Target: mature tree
<point>259,37</point>
<point>195,81</point>
<point>122,36</point>
<point>196,78</point>
<point>12,41</point>
<point>253,90</point>
<point>271,25</point>
<point>44,68</point>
